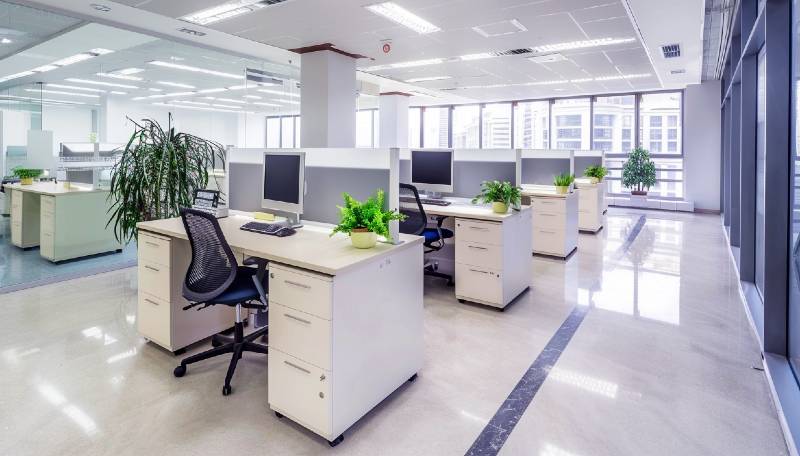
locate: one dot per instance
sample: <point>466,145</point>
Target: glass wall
<point>273,132</point>
<point>436,131</point>
<point>283,132</point>
<point>761,120</point>
<point>364,128</point>
<point>287,132</point>
<point>466,127</point>
<point>613,123</point>
<point>660,122</point>
<point>497,126</point>
<point>570,120</point>
<point>414,136</point>
<point>532,125</point>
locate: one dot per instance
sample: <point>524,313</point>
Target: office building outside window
<point>570,120</point>
<point>413,127</point>
<point>531,125</point>
<point>613,123</point>
<point>287,132</point>
<point>436,127</point>
<point>466,127</point>
<point>364,127</point>
<point>497,126</point>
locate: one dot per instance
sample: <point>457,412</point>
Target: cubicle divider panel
<point>586,158</point>
<point>326,185</point>
<point>471,167</point>
<point>244,186</point>
<point>540,171</point>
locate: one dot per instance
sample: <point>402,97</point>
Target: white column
<point>328,104</point>
<point>393,109</point>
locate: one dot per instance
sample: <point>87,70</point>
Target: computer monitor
<point>283,183</point>
<point>432,170</point>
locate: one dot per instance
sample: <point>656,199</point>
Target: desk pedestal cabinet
<point>493,264</point>
<point>555,224</point>
<point>163,263</point>
<point>591,206</point>
<point>340,344</point>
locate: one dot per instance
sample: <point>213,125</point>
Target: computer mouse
<point>285,231</point>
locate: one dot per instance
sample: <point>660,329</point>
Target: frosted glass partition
<point>329,172</point>
<point>471,167</point>
<point>538,166</point>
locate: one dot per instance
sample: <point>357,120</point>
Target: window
<point>571,119</point>
<point>497,126</point>
<point>436,122</point>
<point>466,127</point>
<point>613,123</point>
<point>273,132</point>
<point>287,132</point>
<point>413,127</point>
<point>531,122</point>
<point>297,131</point>
<point>653,109</point>
<point>364,134</point>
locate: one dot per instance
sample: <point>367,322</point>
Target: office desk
<point>555,220</point>
<point>66,223</point>
<point>345,325</point>
<point>591,205</point>
<point>492,251</point>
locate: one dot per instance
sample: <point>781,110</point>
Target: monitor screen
<point>431,167</point>
<point>282,178</point>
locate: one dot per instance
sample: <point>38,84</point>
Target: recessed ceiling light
<point>102,83</point>
<point>278,92</point>
<point>154,89</point>
<point>61,92</point>
<point>120,76</point>
<point>196,103</point>
<point>58,63</point>
<point>409,64</point>
<point>5,41</point>
<point>429,78</point>
<point>478,56</point>
<point>178,66</point>
<point>71,87</point>
<point>402,16</point>
<point>261,103</point>
<point>292,102</point>
<point>252,97</point>
<point>199,108</point>
<point>175,84</point>
<point>212,90</point>
<point>44,68</point>
<point>570,45</point>
<point>128,71</point>
<point>228,10</point>
<point>172,94</point>
<point>117,92</point>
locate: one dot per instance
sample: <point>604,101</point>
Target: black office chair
<point>416,223</point>
<point>215,278</point>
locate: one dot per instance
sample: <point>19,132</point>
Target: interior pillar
<point>328,104</point>
<point>393,109</point>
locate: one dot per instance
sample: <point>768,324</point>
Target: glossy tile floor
<point>19,268</point>
<point>661,364</point>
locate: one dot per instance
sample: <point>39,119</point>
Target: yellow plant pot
<point>594,180</point>
<point>562,189</point>
<point>363,239</point>
<point>26,181</point>
<point>499,207</point>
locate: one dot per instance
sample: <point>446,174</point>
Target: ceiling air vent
<point>681,71</point>
<point>671,51</point>
<point>513,52</point>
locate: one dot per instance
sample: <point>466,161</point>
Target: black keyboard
<point>432,202</point>
<point>273,229</point>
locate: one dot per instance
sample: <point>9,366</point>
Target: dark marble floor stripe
<point>68,276</point>
<point>496,432</point>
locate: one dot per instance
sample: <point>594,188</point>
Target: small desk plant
<point>639,172</point>
<point>501,195</point>
<point>364,221</point>
<point>26,175</point>
<point>562,182</point>
<point>596,173</point>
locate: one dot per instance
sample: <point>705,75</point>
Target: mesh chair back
<point>416,220</point>
<point>213,267</point>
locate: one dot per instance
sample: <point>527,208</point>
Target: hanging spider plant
<point>157,175</point>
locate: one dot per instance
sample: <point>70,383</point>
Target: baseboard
<point>707,211</point>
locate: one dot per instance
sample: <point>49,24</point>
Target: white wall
<point>252,131</point>
<point>701,144</point>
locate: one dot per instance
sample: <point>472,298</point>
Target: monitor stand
<point>293,220</point>
<point>432,195</point>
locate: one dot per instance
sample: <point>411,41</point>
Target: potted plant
<point>364,221</point>
<point>501,195</point>
<point>562,182</point>
<point>157,174</point>
<point>596,173</point>
<point>26,175</point>
<point>639,172</point>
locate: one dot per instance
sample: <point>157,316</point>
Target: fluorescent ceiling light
<point>86,89</point>
<point>409,64</point>
<point>231,100</point>
<point>581,44</point>
<point>61,92</point>
<point>16,75</point>
<point>429,78</point>
<point>238,87</point>
<point>58,63</point>
<point>211,90</point>
<point>172,94</point>
<point>5,41</point>
<point>197,103</point>
<point>102,83</point>
<point>153,89</point>
<point>178,66</point>
<point>72,59</point>
<point>292,102</point>
<point>577,81</point>
<point>478,56</point>
<point>225,11</point>
<point>175,84</point>
<point>402,16</point>
<point>44,68</point>
<point>117,92</point>
<point>261,103</point>
<point>278,92</point>
<point>199,108</point>
<point>129,71</point>
<point>120,76</point>
<point>252,97</point>
<point>138,98</point>
<point>226,106</point>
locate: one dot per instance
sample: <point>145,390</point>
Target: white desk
<point>555,220</point>
<point>345,325</point>
<point>492,251</point>
<point>591,205</point>
<point>66,223</point>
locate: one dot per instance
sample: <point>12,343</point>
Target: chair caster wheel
<point>179,371</point>
<point>336,441</point>
<point>412,378</point>
<point>226,390</point>
<point>215,343</point>
<point>462,301</point>
<point>279,415</point>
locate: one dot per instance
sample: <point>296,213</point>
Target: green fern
<point>368,215</point>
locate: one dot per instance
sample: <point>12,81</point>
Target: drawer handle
<point>151,243</point>
<point>477,248</point>
<point>547,231</point>
<point>297,318</point>
<point>151,301</point>
<point>479,271</point>
<point>479,228</point>
<point>152,268</point>
<point>548,215</point>
<point>297,284</point>
<point>296,367</point>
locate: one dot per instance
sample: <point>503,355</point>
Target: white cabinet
<point>493,264</point>
<point>24,219</point>
<point>591,206</point>
<point>555,224</point>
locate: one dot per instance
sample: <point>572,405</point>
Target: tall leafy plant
<point>157,175</point>
<point>639,172</point>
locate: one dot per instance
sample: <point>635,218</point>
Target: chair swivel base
<point>225,345</point>
<point>432,271</point>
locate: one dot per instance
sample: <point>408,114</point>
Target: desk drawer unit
<point>154,249</point>
<point>300,391</point>
<point>483,255</point>
<point>479,284</point>
<point>154,279</point>
<point>301,335</point>
<point>590,208</point>
<point>154,319</point>
<point>555,230</point>
<point>301,290</point>
<point>48,204</point>
<point>479,231</point>
<point>552,205</point>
